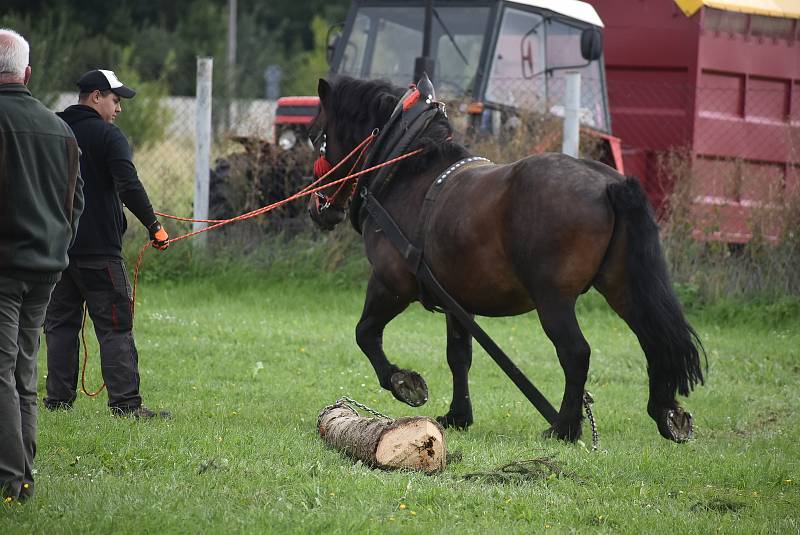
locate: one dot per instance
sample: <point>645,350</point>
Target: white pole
<point>233,110</point>
<point>572,109</point>
<point>202,160</point>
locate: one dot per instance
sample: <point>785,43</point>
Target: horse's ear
<point>323,90</point>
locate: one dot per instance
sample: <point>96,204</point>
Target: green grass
<point>242,454</point>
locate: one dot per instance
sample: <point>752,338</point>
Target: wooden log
<point>412,443</point>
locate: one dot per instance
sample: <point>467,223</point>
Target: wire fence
<point>737,141</point>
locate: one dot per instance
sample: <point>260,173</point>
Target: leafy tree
<point>307,67</point>
<point>150,36</point>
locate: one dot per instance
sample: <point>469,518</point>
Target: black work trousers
<point>104,286</point>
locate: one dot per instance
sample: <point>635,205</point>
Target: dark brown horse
<point>504,240</point>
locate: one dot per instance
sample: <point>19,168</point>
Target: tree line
<point>155,42</point>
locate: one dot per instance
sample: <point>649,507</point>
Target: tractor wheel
<point>226,187</point>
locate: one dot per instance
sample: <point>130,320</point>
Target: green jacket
<point>41,191</point>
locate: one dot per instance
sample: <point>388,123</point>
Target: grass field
<point>245,362</point>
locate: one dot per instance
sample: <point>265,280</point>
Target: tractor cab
<point>495,55</point>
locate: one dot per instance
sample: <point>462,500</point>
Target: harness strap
<point>422,223</point>
<point>413,254</point>
<point>393,141</point>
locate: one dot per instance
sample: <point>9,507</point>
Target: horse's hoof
<point>455,422</point>
<point>676,425</point>
<point>409,387</point>
<point>565,432</point>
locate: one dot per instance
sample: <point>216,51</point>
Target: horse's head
<point>350,112</point>
<point>328,207</point>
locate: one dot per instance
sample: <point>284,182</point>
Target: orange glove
<point>158,236</point>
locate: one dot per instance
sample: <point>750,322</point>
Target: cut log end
<point>412,443</point>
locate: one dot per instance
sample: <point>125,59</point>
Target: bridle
<point>323,166</point>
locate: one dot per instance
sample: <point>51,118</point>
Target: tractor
<point>499,61</point>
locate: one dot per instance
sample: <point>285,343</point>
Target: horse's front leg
<point>561,326</point>
<point>380,307</point>
<point>459,358</point>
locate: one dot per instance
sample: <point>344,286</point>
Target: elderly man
<point>41,200</point>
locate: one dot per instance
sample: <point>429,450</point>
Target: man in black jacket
<point>97,274</point>
<point>40,203</point>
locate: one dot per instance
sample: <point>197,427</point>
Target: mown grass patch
<point>246,359</point>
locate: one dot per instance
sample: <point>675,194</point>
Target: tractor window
<point>385,41</point>
<point>353,55</point>
<point>383,44</point>
<point>564,50</point>
<point>517,74</point>
<point>458,34</point>
<point>398,42</point>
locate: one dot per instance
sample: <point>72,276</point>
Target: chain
<point>587,404</point>
<point>351,401</point>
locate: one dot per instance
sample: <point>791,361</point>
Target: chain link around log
<point>351,401</point>
<point>587,404</point>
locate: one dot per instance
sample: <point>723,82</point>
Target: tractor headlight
<point>287,140</point>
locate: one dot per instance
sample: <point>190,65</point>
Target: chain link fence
<point>722,158</point>
<point>737,141</point>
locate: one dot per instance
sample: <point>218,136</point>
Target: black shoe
<point>56,404</point>
<point>26,492</point>
<point>140,413</point>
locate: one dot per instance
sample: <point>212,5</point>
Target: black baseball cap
<point>103,80</point>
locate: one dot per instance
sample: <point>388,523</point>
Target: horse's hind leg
<point>381,307</point>
<point>459,358</point>
<point>635,282</point>
<point>561,326</point>
<point>672,420</point>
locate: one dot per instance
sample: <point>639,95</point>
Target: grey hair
<point>14,53</point>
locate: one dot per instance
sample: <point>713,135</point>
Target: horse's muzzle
<point>326,218</point>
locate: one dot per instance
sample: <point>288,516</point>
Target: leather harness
<point>403,127</point>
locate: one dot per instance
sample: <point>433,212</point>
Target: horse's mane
<point>362,105</point>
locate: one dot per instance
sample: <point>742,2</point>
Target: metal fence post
<point>572,109</point>
<point>202,160</point>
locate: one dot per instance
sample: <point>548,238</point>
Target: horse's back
<point>500,234</point>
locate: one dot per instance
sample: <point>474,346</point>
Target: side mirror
<point>591,44</point>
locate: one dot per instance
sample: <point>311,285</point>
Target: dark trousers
<point>103,285</point>
<point>22,310</point>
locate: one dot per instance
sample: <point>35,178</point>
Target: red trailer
<point>719,80</point>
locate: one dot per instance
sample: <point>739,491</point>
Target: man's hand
<point>158,236</point>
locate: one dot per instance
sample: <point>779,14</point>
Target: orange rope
<point>217,223</point>
<point>302,193</point>
<point>86,358</point>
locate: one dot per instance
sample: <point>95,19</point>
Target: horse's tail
<point>669,342</point>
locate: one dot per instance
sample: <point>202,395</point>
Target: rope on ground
<point>520,471</point>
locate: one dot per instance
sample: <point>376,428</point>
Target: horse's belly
<point>495,292</point>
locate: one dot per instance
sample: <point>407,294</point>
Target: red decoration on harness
<point>411,99</point>
<point>322,166</point>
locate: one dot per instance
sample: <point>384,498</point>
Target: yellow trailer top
<point>788,9</point>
